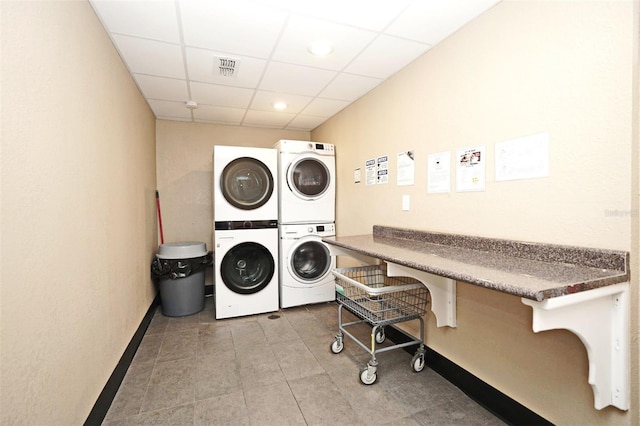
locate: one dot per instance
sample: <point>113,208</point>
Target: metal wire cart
<point>379,300</point>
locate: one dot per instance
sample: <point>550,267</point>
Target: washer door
<point>246,183</point>
<point>247,268</point>
<point>309,261</point>
<point>308,178</point>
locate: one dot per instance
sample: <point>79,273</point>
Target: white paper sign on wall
<point>439,172</point>
<point>371,171</point>
<point>470,166</point>
<point>406,168</point>
<point>383,169</point>
<point>523,158</point>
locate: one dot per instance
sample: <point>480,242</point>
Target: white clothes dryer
<point>306,265</point>
<point>307,183</point>
<point>246,270</point>
<point>244,183</point>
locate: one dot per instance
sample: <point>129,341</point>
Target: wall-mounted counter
<point>583,290</point>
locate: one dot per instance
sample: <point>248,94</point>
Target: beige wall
<point>185,172</point>
<point>524,67</point>
<point>78,211</point>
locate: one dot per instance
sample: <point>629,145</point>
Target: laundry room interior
<point>84,154</point>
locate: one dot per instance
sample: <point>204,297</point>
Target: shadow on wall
<point>187,208</point>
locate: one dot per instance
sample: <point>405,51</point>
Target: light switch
<point>406,200</point>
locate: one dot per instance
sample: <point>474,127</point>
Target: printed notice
<point>470,165</point>
<point>383,169</point>
<point>523,158</point>
<point>371,172</point>
<point>439,172</point>
<point>406,168</point>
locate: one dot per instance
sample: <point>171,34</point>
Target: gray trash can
<point>180,270</point>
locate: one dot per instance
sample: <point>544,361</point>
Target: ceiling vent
<point>226,67</point>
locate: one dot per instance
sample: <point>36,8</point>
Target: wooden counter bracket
<point>606,336</point>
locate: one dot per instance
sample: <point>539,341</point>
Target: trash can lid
<point>182,250</point>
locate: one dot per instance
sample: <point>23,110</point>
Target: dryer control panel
<point>286,146</point>
<point>323,148</point>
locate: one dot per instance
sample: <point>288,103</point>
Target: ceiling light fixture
<point>320,48</point>
<point>280,106</point>
<point>191,105</point>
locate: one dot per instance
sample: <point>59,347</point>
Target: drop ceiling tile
<point>224,96</point>
<point>296,79</point>
<point>349,87</point>
<point>202,65</point>
<point>386,56</point>
<point>368,14</point>
<point>150,19</point>
<point>305,122</point>
<point>325,107</point>
<point>216,114</point>
<point>267,119</point>
<point>171,47</point>
<point>150,57</point>
<point>440,19</point>
<point>264,101</point>
<point>168,89</point>
<point>240,27</point>
<point>170,110</point>
<point>301,31</point>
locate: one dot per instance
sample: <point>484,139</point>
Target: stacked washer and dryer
<point>272,207</point>
<point>245,182</point>
<point>306,214</point>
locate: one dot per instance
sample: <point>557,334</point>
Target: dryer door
<point>247,268</point>
<point>308,178</point>
<point>246,183</point>
<point>309,261</point>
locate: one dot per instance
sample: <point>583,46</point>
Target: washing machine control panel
<point>328,229</point>
<point>301,230</point>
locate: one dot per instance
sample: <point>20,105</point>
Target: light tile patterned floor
<point>277,369</point>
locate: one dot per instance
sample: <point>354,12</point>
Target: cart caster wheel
<point>337,346</point>
<point>380,337</point>
<point>366,378</point>
<point>417,362</point>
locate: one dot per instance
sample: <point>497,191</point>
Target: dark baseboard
<point>502,406</point>
<point>100,408</point>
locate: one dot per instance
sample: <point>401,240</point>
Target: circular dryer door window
<point>247,268</point>
<point>246,183</point>
<point>310,261</point>
<point>308,178</point>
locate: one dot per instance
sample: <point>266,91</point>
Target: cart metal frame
<point>379,300</point>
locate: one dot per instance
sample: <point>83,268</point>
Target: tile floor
<point>277,369</point>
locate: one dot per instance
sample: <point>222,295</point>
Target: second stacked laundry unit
<point>306,214</point>
<point>245,212</point>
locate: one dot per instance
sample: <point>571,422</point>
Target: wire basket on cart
<point>379,300</point>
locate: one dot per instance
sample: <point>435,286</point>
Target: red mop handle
<point>159,217</point>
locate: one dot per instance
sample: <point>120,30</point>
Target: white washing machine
<point>246,269</point>
<point>306,187</point>
<point>305,264</point>
<point>245,183</point>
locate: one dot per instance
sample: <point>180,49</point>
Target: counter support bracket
<point>600,318</point>
<point>360,258</point>
<point>442,290</point>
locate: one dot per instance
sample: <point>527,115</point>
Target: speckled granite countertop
<point>531,270</point>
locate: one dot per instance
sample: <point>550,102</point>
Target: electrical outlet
<point>406,201</point>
